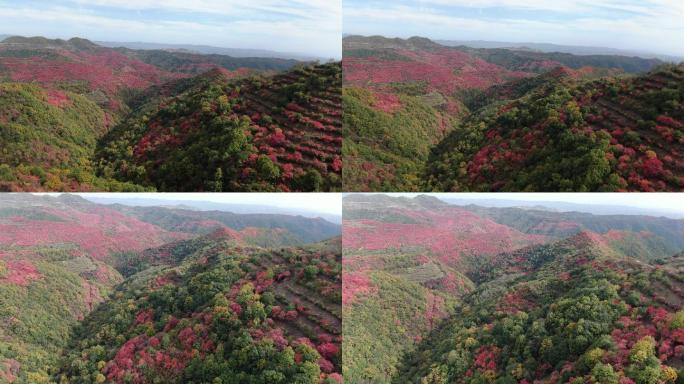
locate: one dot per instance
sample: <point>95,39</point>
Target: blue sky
<point>642,25</point>
<point>312,27</point>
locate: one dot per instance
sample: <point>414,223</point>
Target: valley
<point>93,293</point>
<point>439,293</point>
<point>421,116</point>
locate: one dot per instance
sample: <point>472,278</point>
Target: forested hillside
<point>422,116</point>
<point>63,257</point>
<point>263,133</point>
<point>573,312</point>
<point>568,135</point>
<point>225,314</point>
<point>70,110</point>
<point>436,293</point>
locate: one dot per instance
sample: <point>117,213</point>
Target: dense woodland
<point>464,119</point>
<point>76,116</point>
<point>437,293</point>
<point>89,294</point>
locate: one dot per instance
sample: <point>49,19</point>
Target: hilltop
<point>279,132</point>
<point>224,313</point>
<point>490,119</point>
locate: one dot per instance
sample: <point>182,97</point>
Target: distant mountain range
<point>210,50</point>
<point>213,206</point>
<point>206,50</point>
<point>563,206</point>
<point>547,47</point>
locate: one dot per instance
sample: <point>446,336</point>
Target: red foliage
<point>328,350</point>
<point>187,337</point>
<point>98,232</point>
<point>485,357</point>
<point>446,70</point>
<point>57,98</point>
<point>20,272</point>
<point>144,316</point>
<point>436,230</point>
<point>386,102</point>
<point>653,167</point>
<point>354,284</point>
<point>326,365</point>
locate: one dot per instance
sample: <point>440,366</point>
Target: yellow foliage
<point>677,320</point>
<point>53,183</point>
<point>642,349</point>
<point>668,374</point>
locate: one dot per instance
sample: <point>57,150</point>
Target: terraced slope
<point>568,312</point>
<point>608,134</point>
<point>263,133</point>
<point>225,314</point>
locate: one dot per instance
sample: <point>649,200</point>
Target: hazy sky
<point>312,27</point>
<point>330,203</point>
<point>643,25</point>
<point>657,201</point>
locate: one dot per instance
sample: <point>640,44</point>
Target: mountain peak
<point>429,201</point>
<point>76,43</point>
<point>68,198</point>
<point>224,233</point>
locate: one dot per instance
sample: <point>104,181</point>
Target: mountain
<point>406,263</point>
<point>63,257</point>
<point>223,312</point>
<point>401,98</point>
<point>214,206</point>
<point>601,135</point>
<point>56,259</point>
<point>551,48</point>
<point>287,229</point>
<point>262,133</point>
<point>423,116</point>
<point>577,314</point>
<point>210,50</point>
<point>195,63</point>
<point>664,232</point>
<point>515,59</point>
<point>562,206</point>
<point>62,100</point>
<point>435,293</point>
